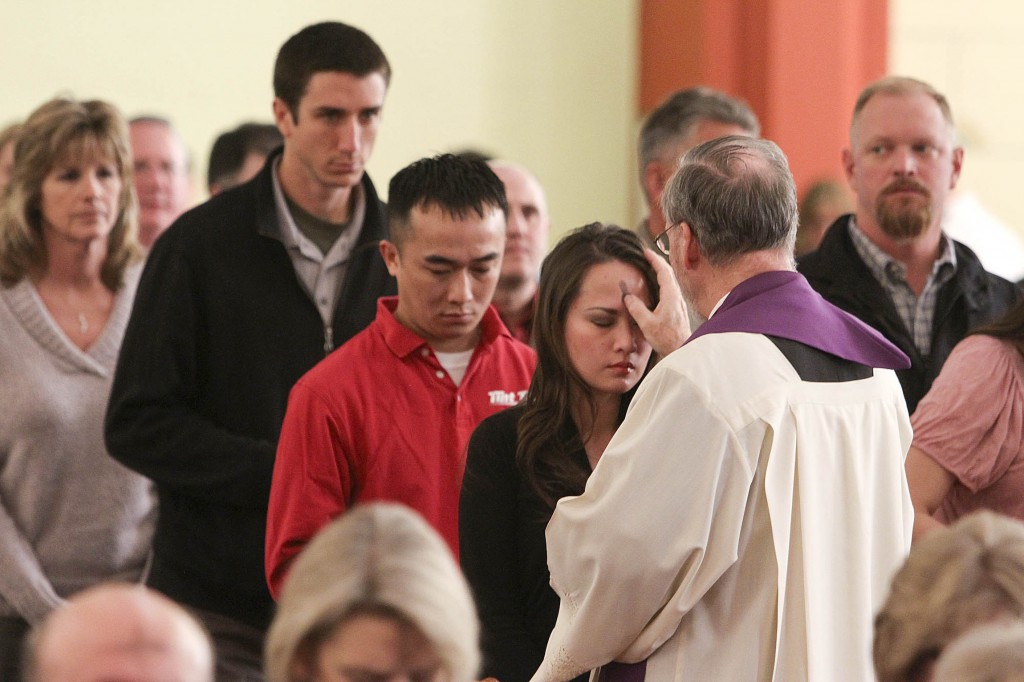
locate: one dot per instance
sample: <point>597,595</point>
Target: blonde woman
<point>70,516</point>
<point>955,578</point>
<point>375,595</point>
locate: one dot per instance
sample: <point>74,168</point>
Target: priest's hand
<point>666,327</point>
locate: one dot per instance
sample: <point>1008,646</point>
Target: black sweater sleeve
<point>155,424</point>
<point>489,518</point>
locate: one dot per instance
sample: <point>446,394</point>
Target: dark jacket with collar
<point>220,331</point>
<point>972,297</point>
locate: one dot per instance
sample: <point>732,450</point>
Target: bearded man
<point>890,263</point>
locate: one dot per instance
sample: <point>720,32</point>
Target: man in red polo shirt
<point>387,416</point>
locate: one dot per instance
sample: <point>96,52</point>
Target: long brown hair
<point>58,130</point>
<point>1009,327</point>
<point>546,431</point>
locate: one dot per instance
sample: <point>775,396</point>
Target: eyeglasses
<point>661,241</point>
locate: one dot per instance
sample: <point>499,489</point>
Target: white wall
<point>971,51</point>
<point>550,84</point>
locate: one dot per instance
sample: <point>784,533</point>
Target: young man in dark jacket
<point>239,298</point>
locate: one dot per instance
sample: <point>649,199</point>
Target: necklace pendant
<point>83,323</point>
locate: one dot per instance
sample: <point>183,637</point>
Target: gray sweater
<point>70,516</point>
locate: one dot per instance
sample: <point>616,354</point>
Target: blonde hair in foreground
<point>60,131</point>
<point>377,558</point>
<point>954,578</point>
<point>987,653</point>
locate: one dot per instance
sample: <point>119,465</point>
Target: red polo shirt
<point>380,419</point>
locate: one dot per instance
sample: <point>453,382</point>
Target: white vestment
<point>742,524</point>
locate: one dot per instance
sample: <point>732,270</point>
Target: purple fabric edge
<point>781,303</point>
<point>623,672</point>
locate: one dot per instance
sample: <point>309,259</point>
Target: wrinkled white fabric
<point>742,524</point>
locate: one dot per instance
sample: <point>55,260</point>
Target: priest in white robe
<point>746,518</point>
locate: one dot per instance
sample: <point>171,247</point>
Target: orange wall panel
<point>799,63</point>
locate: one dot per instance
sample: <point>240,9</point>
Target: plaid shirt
<point>916,312</point>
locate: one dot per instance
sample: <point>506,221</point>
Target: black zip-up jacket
<point>973,297</point>
<point>220,331</point>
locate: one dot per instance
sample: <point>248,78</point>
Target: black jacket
<point>502,550</point>
<point>220,331</point>
<point>973,297</point>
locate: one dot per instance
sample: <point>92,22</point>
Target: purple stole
<point>781,303</point>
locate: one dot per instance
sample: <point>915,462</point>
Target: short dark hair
<point>455,183</point>
<point>328,46</point>
<point>473,153</point>
<point>737,195</point>
<point>230,149</point>
<point>676,117</point>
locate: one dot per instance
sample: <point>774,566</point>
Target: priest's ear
<point>688,248</point>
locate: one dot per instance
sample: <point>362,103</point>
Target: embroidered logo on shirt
<point>506,398</point>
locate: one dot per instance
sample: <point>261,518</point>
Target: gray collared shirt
<point>917,312</point>
<point>321,274</point>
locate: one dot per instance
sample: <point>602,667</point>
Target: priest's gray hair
<point>737,195</point>
<point>378,559</point>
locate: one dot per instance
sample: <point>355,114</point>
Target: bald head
<point>528,225</point>
<point>120,633</point>
<point>162,179</point>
